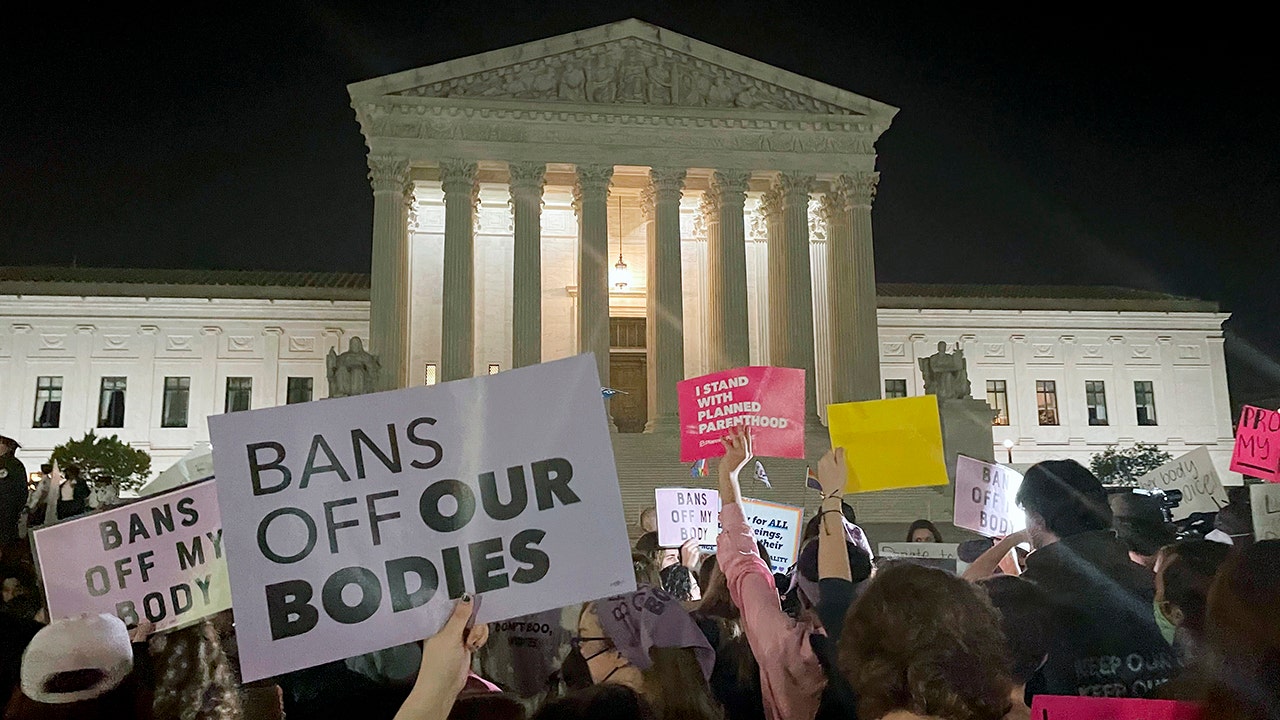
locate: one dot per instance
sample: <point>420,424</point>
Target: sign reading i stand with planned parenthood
<point>158,560</point>
<point>768,400</point>
<point>354,523</point>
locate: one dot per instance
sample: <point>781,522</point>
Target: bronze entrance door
<point>628,372</point>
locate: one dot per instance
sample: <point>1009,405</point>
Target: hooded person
<point>1104,635</point>
<point>646,640</point>
<point>13,491</point>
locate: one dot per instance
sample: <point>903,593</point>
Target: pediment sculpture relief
<point>628,71</point>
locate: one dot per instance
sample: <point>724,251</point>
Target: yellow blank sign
<point>889,444</point>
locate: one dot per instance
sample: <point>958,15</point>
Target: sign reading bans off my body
<point>355,522</point>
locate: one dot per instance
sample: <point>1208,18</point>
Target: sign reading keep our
<point>355,523</point>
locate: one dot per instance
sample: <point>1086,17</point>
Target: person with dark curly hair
<point>922,643</point>
<point>1105,639</point>
<point>1024,619</point>
<point>193,677</point>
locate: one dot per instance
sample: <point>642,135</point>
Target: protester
<point>60,494</point>
<point>1140,526</point>
<point>791,678</point>
<point>1243,635</point>
<point>1105,637</point>
<point>648,642</point>
<point>13,491</point>
<point>735,678</point>
<point>1025,622</point>
<point>923,531</point>
<point>922,643</point>
<point>83,667</point>
<point>612,701</point>
<point>1184,572</point>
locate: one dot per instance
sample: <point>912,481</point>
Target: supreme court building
<point>674,208</point>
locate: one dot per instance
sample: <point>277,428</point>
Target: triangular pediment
<point>625,63</point>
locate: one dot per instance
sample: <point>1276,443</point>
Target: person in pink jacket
<point>791,677</point>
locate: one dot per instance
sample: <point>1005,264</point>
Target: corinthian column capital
<point>388,173</point>
<point>527,177</point>
<point>592,181</point>
<point>860,187</point>
<point>833,206</point>
<point>730,186</point>
<point>667,183</point>
<point>458,176</point>
<point>771,203</point>
<point>795,187</point>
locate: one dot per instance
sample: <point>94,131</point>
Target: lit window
<point>1047,401</point>
<point>1144,396</point>
<point>494,369</point>
<point>111,403</point>
<point>177,398</point>
<point>1095,397</point>
<point>299,390</point>
<point>998,399</point>
<point>894,388</point>
<point>432,374</point>
<point>239,394</point>
<point>48,401</point>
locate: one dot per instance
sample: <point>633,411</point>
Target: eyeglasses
<point>576,641</point>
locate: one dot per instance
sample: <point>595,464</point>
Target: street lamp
<point>1008,448</point>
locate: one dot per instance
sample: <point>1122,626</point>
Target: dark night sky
<point>1049,148</point>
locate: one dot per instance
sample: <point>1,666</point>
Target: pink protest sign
<point>158,559</point>
<point>1257,450</point>
<point>767,400</point>
<point>1071,707</point>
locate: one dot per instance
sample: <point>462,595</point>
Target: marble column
<point>776,272</point>
<point>590,202</point>
<point>389,277</point>
<point>860,290</point>
<point>730,345</point>
<point>791,310</point>
<point>851,293</point>
<point>665,303</point>
<point>526,281</point>
<point>458,323</point>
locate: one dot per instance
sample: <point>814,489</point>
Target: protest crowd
<point>1069,606</point>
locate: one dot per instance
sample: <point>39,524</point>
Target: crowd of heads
<point>718,635</point>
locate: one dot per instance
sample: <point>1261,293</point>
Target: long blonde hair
<point>193,678</point>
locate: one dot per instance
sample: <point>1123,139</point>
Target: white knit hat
<point>84,642</point>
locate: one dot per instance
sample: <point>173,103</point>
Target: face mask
<point>1167,629</point>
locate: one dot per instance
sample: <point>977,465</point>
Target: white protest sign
<point>985,495</point>
<point>1264,498</point>
<point>1194,475</point>
<point>356,522</point>
<point>687,513</point>
<point>160,559</point>
<point>778,527</point>
<point>940,555</point>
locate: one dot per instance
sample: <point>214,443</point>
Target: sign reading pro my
<point>352,524</point>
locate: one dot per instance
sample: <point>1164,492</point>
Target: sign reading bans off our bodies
<point>768,400</point>
<point>356,522</point>
<point>160,560</point>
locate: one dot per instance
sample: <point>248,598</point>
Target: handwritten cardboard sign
<point>160,559</point>
<point>1257,449</point>
<point>1194,476</point>
<point>1265,502</point>
<point>779,528</point>
<point>1073,707</point>
<point>768,400</point>
<point>355,523</point>
<point>944,556</point>
<point>687,513</point>
<point>889,444</point>
<point>985,495</point>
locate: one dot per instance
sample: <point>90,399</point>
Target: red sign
<point>1070,707</point>
<point>1257,450</point>
<point>767,400</point>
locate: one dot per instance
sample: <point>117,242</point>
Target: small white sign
<point>985,495</point>
<point>1194,475</point>
<point>1265,501</point>
<point>939,555</point>
<point>687,513</point>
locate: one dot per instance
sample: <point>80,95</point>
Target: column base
<point>663,425</point>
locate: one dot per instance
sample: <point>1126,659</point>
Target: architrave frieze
<point>426,129</point>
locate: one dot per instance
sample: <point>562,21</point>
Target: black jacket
<point>13,497</point>
<point>1105,642</point>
